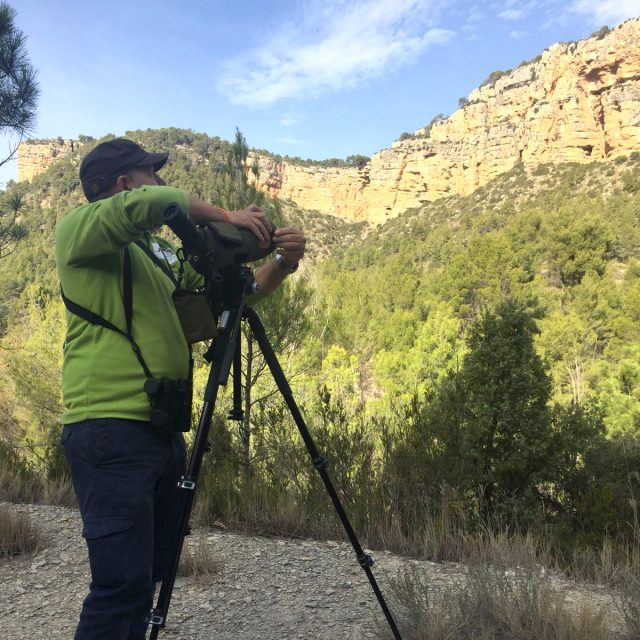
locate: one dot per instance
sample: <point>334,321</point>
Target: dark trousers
<point>124,474</point>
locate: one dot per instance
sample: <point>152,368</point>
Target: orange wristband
<point>225,214</point>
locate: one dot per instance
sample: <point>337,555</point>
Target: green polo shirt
<point>101,377</point>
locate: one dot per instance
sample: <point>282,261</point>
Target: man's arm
<point>290,244</point>
<point>105,226</point>
<point>252,218</point>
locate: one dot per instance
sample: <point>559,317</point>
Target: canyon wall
<point>34,156</point>
<point>579,102</point>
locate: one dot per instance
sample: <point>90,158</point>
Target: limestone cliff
<point>34,156</point>
<point>578,102</point>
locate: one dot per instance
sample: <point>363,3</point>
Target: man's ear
<point>122,184</point>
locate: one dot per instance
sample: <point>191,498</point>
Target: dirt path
<point>266,588</point>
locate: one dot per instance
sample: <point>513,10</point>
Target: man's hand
<point>254,219</point>
<point>290,243</point>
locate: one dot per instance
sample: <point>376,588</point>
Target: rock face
<point>338,191</point>
<point>34,156</point>
<point>578,102</point>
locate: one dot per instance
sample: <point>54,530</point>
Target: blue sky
<point>312,78</point>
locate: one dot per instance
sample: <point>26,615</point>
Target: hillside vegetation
<point>470,366</point>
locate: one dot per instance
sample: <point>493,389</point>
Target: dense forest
<point>471,364</point>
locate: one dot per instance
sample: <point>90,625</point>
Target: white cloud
<point>518,35</point>
<point>296,141</point>
<point>289,121</point>
<point>611,12</point>
<point>549,11</point>
<point>511,14</point>
<point>474,15</point>
<point>336,45</point>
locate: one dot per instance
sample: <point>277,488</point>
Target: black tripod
<point>225,350</point>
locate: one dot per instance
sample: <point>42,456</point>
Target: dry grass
<point>58,492</point>
<point>423,610</point>
<point>608,565</point>
<point>505,594</point>
<point>198,560</point>
<point>17,487</point>
<point>20,484</point>
<point>629,602</point>
<point>18,534</point>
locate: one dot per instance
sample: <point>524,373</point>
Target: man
<point>122,329</point>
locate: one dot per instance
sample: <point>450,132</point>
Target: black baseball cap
<point>110,159</point>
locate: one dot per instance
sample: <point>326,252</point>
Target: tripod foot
<point>365,560</point>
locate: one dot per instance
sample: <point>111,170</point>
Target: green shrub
<point>493,77</point>
<point>601,32</point>
<point>542,170</point>
<point>630,181</point>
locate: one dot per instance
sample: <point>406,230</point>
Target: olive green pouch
<point>196,317</point>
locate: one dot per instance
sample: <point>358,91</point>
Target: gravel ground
<point>264,589</point>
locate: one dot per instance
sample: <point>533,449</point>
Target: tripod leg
<point>236,412</point>
<point>225,349</point>
<point>320,463</point>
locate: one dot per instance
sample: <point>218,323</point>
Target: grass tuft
<point>18,535</point>
<point>505,593</point>
<point>198,560</point>
<point>629,602</point>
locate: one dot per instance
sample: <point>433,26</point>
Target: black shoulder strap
<point>94,318</point>
<point>87,315</point>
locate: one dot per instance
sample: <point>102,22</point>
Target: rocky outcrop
<point>578,102</point>
<point>334,190</point>
<point>34,156</point>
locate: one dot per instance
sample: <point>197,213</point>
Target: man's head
<point>118,165</point>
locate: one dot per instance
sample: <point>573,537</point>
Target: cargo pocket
<point>102,527</point>
<point>108,542</point>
